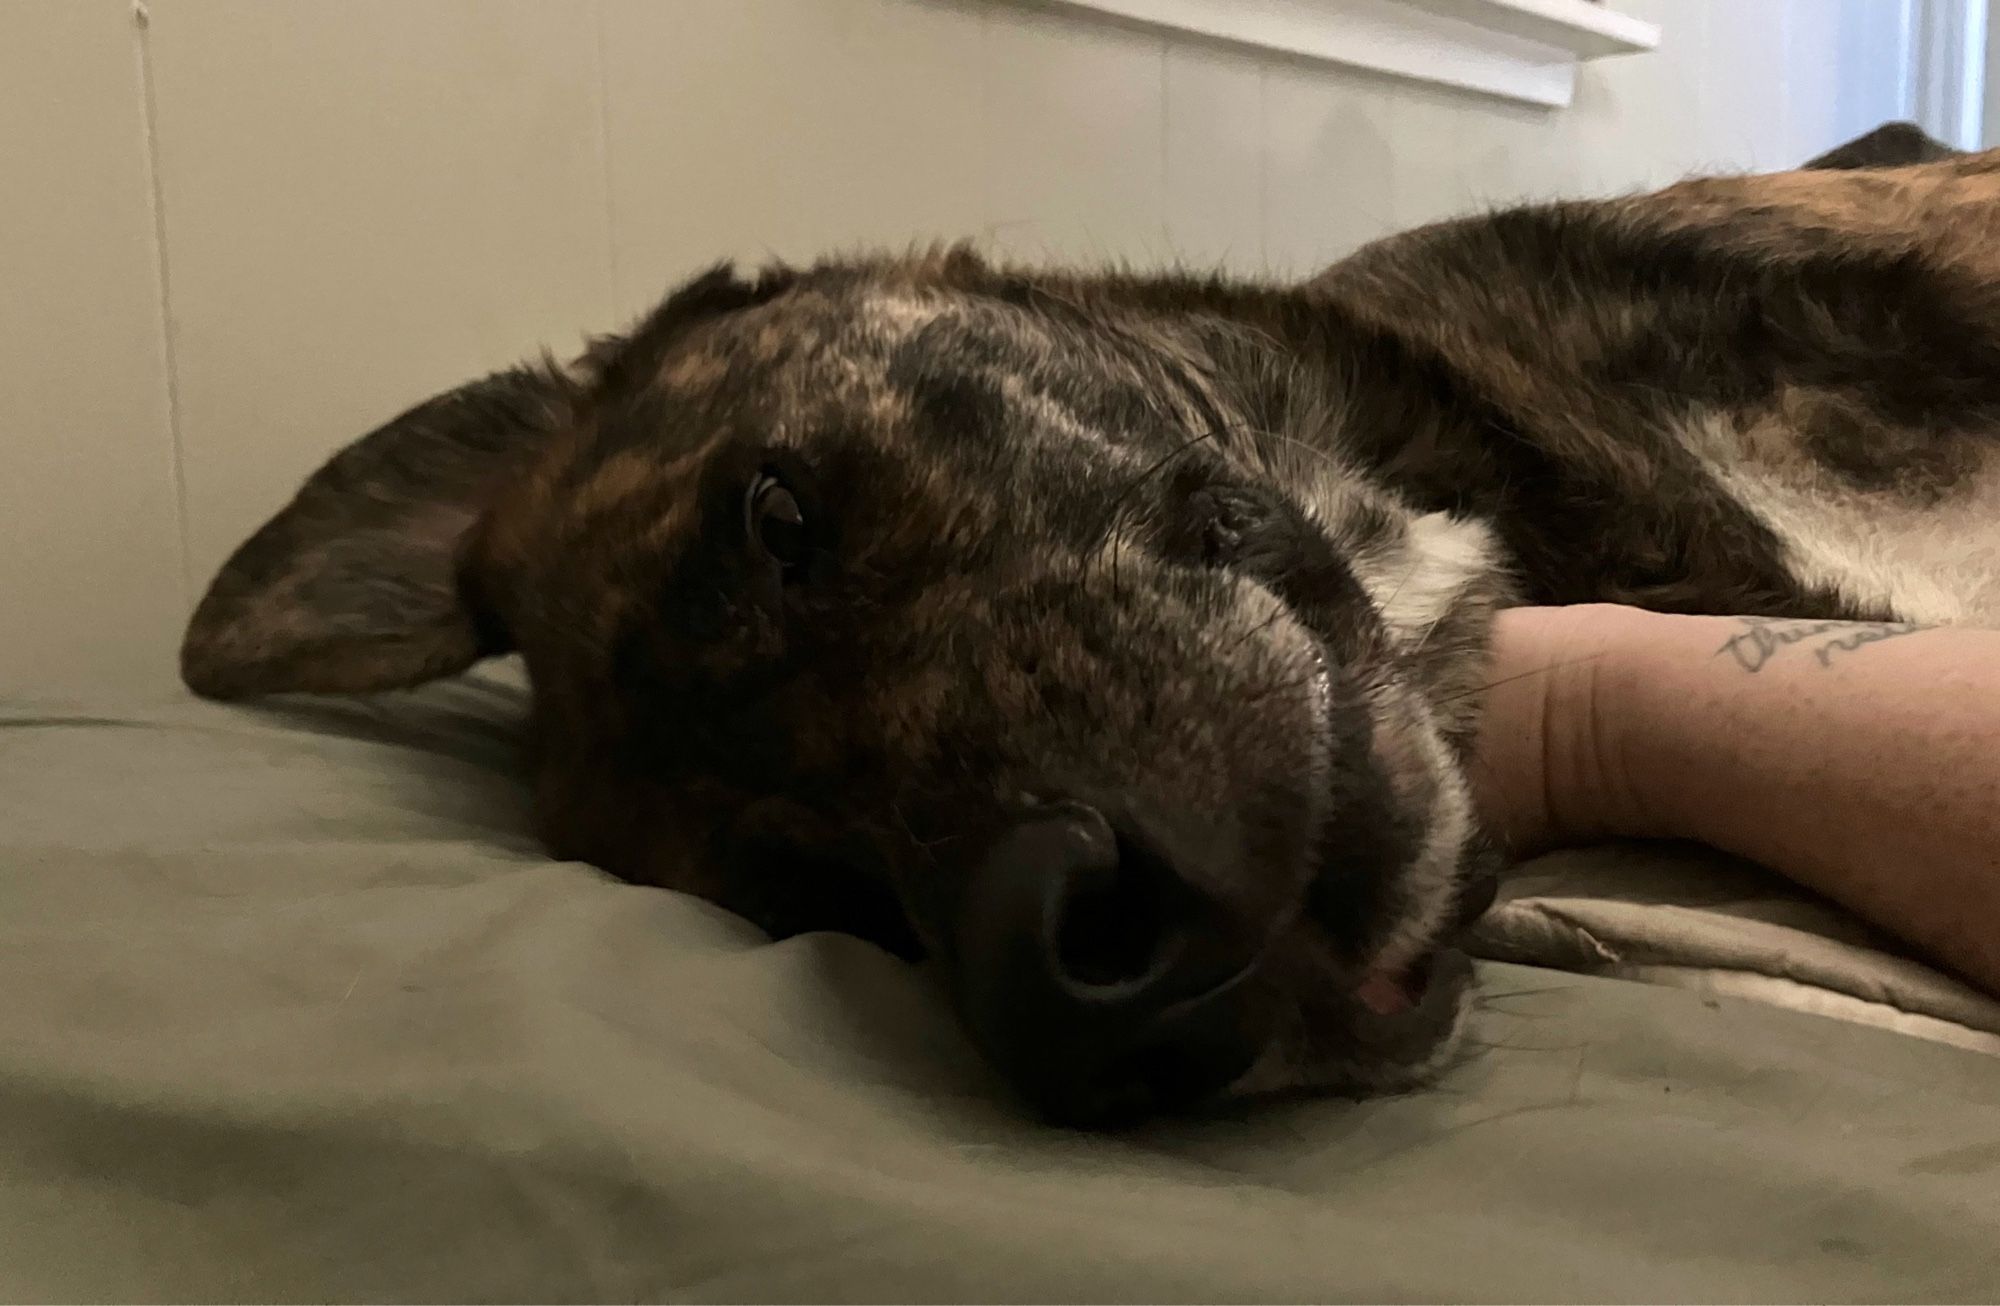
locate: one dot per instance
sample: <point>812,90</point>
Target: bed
<point>296,1009</point>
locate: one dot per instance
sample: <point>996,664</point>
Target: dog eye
<point>774,521</point>
<point>1224,522</point>
<point>1221,541</point>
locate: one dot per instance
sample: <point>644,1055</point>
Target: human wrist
<point>1641,695</point>
<point>1567,716</point>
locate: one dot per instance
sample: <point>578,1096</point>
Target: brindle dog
<point>1117,639</point>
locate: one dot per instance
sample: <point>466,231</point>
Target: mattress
<point>297,1009</point>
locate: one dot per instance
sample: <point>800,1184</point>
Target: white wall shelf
<point>1524,50</point>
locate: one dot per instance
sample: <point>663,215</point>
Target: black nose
<point>1095,976</point>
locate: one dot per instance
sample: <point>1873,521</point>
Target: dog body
<point>1117,639</point>
<point>1775,386</point>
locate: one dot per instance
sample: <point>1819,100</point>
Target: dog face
<point>1030,625</point>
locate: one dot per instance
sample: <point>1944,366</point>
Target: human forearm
<point>1861,760</point>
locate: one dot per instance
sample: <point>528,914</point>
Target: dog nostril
<point>1102,980</point>
<point>1113,931</point>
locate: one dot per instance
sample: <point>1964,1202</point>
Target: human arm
<point>1862,760</point>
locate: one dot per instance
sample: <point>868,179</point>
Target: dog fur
<point>1215,557</point>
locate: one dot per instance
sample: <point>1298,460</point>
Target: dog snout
<point>1095,975</point>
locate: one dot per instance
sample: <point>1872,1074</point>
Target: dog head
<point>1033,624</point>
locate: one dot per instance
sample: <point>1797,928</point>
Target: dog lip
<point>1322,702</point>
<point>1336,807</point>
<point>1410,995</point>
<point>1403,1015</point>
<point>1391,993</point>
<point>1397,1014</point>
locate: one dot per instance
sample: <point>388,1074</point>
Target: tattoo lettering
<point>1764,638</point>
<point>1868,635</point>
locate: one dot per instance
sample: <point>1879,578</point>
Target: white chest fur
<point>1929,555</point>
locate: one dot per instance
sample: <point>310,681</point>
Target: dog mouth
<point>1402,1012</point>
<point>1391,993</point>
<point>1403,982</point>
<point>1394,991</point>
<point>1398,1017</point>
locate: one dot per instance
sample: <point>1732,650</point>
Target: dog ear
<point>358,584</point>
<point>1892,145</point>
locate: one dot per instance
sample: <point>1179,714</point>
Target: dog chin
<point>1402,1047</point>
<point>1395,1021</point>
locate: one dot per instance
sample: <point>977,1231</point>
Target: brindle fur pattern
<point>1216,557</point>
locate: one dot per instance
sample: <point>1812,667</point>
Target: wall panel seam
<point>1167,213</point>
<point>156,200</point>
<point>617,306</point>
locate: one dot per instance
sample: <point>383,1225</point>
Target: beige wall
<point>239,232</point>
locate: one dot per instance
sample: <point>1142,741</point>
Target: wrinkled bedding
<point>296,1009</point>
<point>1692,917</point>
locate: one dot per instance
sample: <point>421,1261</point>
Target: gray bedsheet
<point>295,1009</point>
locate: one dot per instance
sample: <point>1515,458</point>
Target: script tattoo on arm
<point>1765,638</point>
